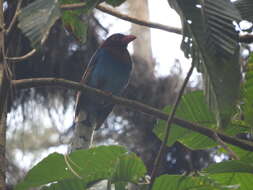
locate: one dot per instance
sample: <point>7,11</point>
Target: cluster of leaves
<point>84,168</point>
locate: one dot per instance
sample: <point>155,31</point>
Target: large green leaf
<point>245,8</point>
<point>193,108</point>
<point>50,169</point>
<point>230,166</point>
<point>37,18</point>
<point>129,168</point>
<point>234,172</point>
<point>212,42</point>
<point>113,163</point>
<point>176,182</point>
<point>68,184</point>
<point>241,180</point>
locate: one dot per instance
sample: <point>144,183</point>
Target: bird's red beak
<point>127,39</point>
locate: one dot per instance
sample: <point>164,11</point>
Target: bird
<point>109,70</point>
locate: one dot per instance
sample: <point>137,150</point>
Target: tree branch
<point>138,21</point>
<point>21,58</point>
<point>248,38</point>
<point>124,17</point>
<point>39,82</point>
<point>167,131</point>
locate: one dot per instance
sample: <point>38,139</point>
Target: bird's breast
<point>110,73</point>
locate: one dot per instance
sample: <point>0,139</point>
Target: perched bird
<point>109,70</point>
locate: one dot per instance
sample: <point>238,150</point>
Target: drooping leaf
<point>36,20</point>
<point>212,42</point>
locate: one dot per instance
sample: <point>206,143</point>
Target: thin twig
<point>22,58</point>
<point>40,82</point>
<point>167,131</point>
<point>231,153</point>
<point>14,19</point>
<point>73,6</point>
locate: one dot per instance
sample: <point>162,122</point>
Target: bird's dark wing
<point>84,80</point>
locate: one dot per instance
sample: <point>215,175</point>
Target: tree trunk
<point>142,45</point>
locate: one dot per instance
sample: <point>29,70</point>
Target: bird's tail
<point>83,132</point>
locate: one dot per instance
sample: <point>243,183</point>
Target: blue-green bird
<point>109,70</point>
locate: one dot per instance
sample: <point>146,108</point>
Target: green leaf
<point>50,169</point>
<point>68,184</point>
<point>113,163</point>
<point>121,186</point>
<point>244,155</point>
<point>230,166</point>
<point>36,20</point>
<point>115,3</point>
<point>235,172</point>
<point>129,168</point>
<point>211,41</point>
<point>76,21</point>
<point>242,180</point>
<point>192,108</point>
<point>176,182</point>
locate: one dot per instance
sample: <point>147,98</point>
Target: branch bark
<point>39,82</point>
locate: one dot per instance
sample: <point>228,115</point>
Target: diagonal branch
<point>39,82</point>
<point>138,21</point>
<point>248,38</point>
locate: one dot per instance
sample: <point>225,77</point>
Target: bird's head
<point>118,40</point>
